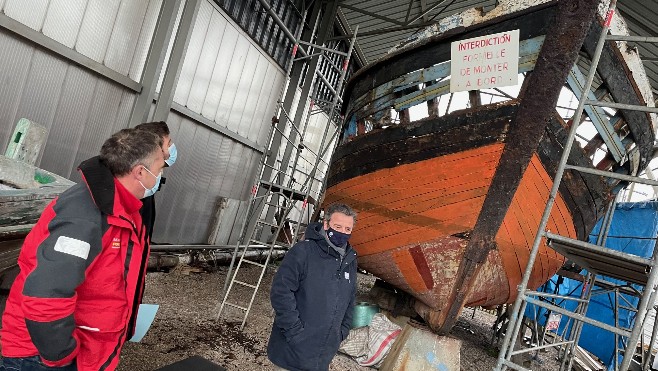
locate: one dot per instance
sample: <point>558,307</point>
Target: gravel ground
<point>185,326</point>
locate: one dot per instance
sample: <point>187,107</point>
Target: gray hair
<point>158,127</point>
<point>339,208</point>
<point>127,148</point>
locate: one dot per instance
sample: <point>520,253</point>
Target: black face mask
<point>337,238</point>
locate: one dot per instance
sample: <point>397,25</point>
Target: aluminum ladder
<point>282,192</point>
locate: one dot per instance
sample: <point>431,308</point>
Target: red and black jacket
<point>82,269</point>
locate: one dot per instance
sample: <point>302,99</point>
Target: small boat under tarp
<point>25,190</point>
<point>449,205</point>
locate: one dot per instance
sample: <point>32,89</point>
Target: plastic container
<point>363,313</point>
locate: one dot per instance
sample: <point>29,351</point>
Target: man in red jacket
<point>72,306</point>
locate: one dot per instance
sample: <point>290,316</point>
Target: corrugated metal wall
<point>78,107</point>
<point>253,18</point>
<point>210,166</point>
<point>229,80</point>
<point>226,78</point>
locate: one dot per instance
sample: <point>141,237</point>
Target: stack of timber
<point>583,361</point>
<point>449,205</point>
<point>25,190</point>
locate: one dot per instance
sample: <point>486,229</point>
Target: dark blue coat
<point>313,297</point>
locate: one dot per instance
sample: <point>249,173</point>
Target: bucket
<point>363,313</point>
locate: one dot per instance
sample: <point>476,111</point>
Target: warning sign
<point>485,62</point>
<point>553,322</point>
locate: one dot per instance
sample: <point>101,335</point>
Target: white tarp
<point>369,345</point>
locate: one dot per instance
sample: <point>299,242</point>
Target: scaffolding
<point>596,258</point>
<point>283,192</point>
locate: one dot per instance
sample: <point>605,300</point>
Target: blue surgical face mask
<point>173,154</point>
<point>337,238</point>
<point>151,191</point>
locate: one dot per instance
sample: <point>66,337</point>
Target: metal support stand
<point>277,191</point>
<point>595,257</point>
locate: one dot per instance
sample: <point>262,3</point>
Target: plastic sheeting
<point>633,230</point>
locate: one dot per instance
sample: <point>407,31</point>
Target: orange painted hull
<point>414,220</point>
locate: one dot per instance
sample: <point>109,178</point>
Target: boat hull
<point>25,190</point>
<point>414,222</point>
<point>418,206</point>
<point>450,205</point>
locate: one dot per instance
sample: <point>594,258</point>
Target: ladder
<point>280,193</point>
<point>567,246</point>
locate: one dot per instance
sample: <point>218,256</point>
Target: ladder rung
<point>245,284</point>
<point>630,309</point>
<point>253,263</point>
<point>285,191</point>
<point>580,317</point>
<point>320,47</point>
<point>275,205</point>
<point>260,221</point>
<point>610,174</point>
<point>645,39</point>
<point>514,366</point>
<point>272,244</point>
<point>235,306</point>
<point>631,107</point>
<point>260,242</point>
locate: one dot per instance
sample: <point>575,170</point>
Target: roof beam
<point>374,15</point>
<point>383,31</point>
<point>424,13</point>
<point>347,28</point>
<point>406,17</point>
<point>423,6</point>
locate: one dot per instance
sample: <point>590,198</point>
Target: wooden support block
<point>419,349</point>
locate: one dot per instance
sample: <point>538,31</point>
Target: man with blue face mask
<point>313,295</point>
<point>170,155</point>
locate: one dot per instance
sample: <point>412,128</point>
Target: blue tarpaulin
<point>633,230</point>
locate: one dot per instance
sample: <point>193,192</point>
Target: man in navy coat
<point>313,295</point>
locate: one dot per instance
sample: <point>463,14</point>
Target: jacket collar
<point>110,196</point>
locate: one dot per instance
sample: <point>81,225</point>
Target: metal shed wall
<point>79,108</point>
<point>211,166</point>
<point>115,33</point>
<point>227,78</point>
<point>225,97</point>
<point>226,81</point>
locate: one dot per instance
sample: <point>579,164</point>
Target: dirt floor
<point>186,326</point>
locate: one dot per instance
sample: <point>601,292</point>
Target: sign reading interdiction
<point>485,62</point>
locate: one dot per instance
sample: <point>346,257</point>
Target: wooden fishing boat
<point>25,190</point>
<point>449,205</point>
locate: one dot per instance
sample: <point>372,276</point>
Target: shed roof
<point>384,24</point>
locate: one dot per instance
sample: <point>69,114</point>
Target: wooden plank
<point>452,162</point>
<point>576,81</point>
<point>384,96</point>
<point>623,89</point>
<point>531,22</point>
<point>585,195</point>
<point>413,143</point>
